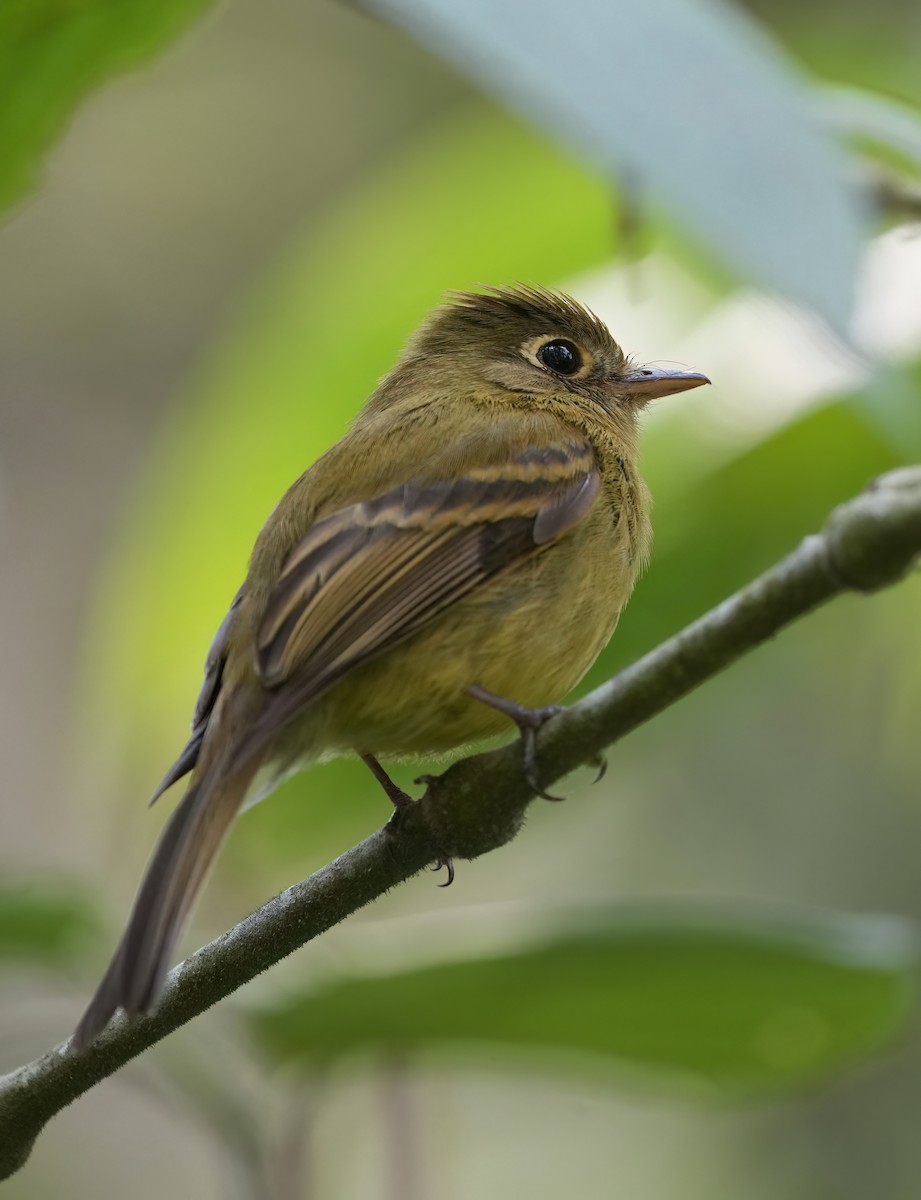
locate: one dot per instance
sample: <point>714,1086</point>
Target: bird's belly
<point>529,636</point>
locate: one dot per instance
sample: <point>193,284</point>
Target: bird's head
<point>533,342</point>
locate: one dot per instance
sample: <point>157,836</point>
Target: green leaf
<point>686,98</point>
<point>742,1006</point>
<point>53,52</point>
<point>47,922</point>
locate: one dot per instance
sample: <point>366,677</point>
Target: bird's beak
<point>649,384</point>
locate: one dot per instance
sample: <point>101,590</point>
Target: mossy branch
<point>478,804</point>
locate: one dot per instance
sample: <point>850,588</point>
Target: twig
<point>478,804</point>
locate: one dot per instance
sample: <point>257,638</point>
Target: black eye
<point>560,356</point>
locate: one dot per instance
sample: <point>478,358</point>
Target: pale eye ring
<point>560,356</point>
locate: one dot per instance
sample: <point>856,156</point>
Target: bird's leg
<point>529,721</point>
<point>397,797</point>
<point>401,801</point>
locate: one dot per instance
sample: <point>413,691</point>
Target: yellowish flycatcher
<point>460,557</point>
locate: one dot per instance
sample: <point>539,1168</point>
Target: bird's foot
<point>443,860</point>
<point>529,721</point>
<point>402,802</point>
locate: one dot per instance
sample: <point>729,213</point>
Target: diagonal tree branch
<point>478,804</point>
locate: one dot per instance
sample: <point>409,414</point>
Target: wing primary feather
<point>182,766</point>
<point>204,705</point>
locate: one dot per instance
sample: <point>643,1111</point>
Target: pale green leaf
<point>685,98</point>
<point>760,1003</point>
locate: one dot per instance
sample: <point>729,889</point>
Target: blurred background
<point>214,263</point>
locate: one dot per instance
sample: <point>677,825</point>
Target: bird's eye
<point>561,357</point>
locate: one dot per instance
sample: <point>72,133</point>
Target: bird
<point>457,561</point>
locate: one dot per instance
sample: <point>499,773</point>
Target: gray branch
<point>479,803</point>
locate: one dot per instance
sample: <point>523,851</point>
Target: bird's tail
<point>177,869</point>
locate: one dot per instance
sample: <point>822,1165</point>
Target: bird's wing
<point>207,698</point>
<point>367,577</point>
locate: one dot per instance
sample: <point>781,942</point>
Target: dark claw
<point>446,861</point>
<point>402,802</point>
<point>529,762</point>
<point>601,762</point>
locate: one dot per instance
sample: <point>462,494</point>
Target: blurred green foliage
<point>46,922</point>
<point>868,46</point>
<point>740,1007</point>
<point>54,52</point>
